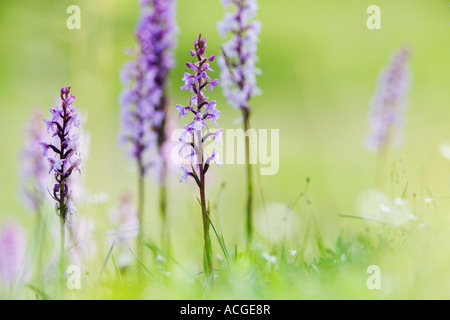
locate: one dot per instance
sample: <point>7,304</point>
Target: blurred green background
<point>320,64</point>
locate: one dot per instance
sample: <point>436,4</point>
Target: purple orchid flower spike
<point>144,100</point>
<point>62,151</point>
<point>388,102</point>
<point>34,172</point>
<point>238,74</point>
<point>387,112</point>
<point>238,58</point>
<point>195,134</point>
<point>64,157</point>
<point>197,131</point>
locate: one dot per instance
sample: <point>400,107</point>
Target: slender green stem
<point>206,238</point>
<point>249,168</point>
<point>208,261</point>
<point>62,254</point>
<point>163,211</point>
<point>39,245</point>
<point>381,167</point>
<point>140,213</point>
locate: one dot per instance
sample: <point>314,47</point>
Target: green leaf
<point>194,174</point>
<point>221,240</point>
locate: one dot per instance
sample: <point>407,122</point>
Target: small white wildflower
<point>124,260</point>
<point>400,201</point>
<point>428,200</point>
<point>385,208</point>
<point>160,258</point>
<point>445,150</point>
<point>376,206</point>
<point>277,222</point>
<point>412,216</point>
<point>269,258</point>
<point>292,252</point>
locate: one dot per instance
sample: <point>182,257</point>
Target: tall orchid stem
<point>39,244</point>
<point>249,169</point>
<point>165,239</point>
<point>163,211</point>
<point>140,214</point>
<point>209,270</point>
<point>381,167</point>
<point>62,252</point>
<point>208,261</point>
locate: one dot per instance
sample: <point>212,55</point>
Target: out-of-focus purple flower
<point>196,132</point>
<point>143,101</point>
<point>238,58</point>
<point>62,151</point>
<point>82,240</point>
<point>12,253</point>
<point>388,103</point>
<point>125,228</point>
<point>162,161</point>
<point>34,175</point>
<point>125,221</point>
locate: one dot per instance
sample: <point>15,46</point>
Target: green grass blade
<point>105,262</point>
<point>117,269</point>
<point>357,217</point>
<point>143,265</point>
<point>405,190</point>
<point>221,241</point>
<point>157,250</point>
<point>41,292</point>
